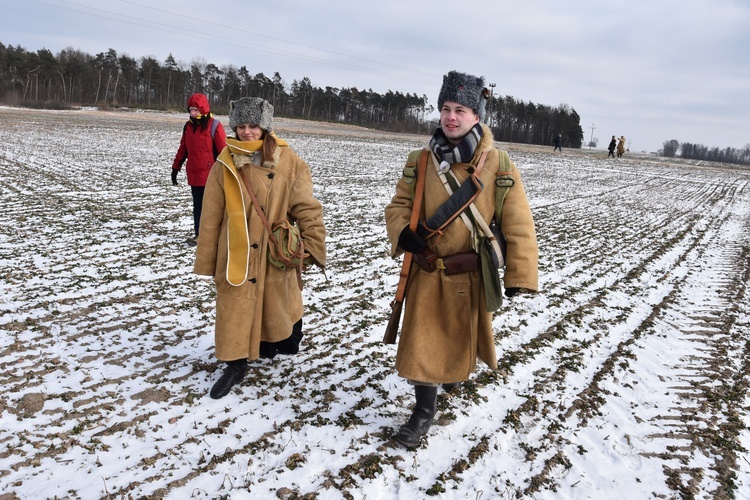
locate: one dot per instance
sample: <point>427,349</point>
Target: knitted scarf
<point>237,155</point>
<point>463,152</point>
<point>201,120</point>
<point>238,147</point>
<point>248,152</point>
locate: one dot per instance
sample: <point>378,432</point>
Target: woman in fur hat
<point>203,138</point>
<point>258,305</point>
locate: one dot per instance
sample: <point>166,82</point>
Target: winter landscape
<point>626,377</point>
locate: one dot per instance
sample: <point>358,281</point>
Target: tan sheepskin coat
<point>269,302</point>
<point>445,324</point>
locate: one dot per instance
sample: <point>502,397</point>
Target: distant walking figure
<point>612,146</point>
<point>203,138</point>
<point>621,147</point>
<point>558,143</point>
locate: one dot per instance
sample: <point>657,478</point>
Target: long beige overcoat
<point>269,301</point>
<point>445,324</point>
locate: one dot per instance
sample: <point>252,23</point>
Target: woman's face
<point>249,132</point>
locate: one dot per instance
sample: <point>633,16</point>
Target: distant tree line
<point>75,78</point>
<point>513,120</point>
<point>674,148</point>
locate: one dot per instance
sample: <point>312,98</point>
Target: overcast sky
<point>651,70</point>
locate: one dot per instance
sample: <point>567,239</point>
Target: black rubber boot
<point>290,345</point>
<point>450,387</point>
<point>421,418</point>
<point>267,349</point>
<point>233,373</point>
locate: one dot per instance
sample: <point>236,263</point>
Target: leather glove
<point>510,292</point>
<point>410,241</point>
<point>174,177</point>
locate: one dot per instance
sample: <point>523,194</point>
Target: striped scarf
<point>463,152</point>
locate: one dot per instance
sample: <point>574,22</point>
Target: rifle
<point>391,330</point>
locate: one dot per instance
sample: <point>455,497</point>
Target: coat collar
<point>247,149</point>
<point>486,142</point>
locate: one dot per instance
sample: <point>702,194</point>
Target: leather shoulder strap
<point>256,205</point>
<point>419,190</point>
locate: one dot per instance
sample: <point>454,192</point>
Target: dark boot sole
<point>408,444</point>
<point>223,386</point>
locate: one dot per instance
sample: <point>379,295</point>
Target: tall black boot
<point>290,345</point>
<point>233,373</point>
<point>421,418</point>
<point>267,349</point>
<point>451,386</point>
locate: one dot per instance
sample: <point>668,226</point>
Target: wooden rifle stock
<point>391,331</point>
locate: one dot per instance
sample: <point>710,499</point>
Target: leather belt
<point>462,262</point>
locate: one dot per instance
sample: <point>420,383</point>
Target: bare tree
<point>670,148</point>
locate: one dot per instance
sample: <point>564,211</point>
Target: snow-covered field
<point>625,377</point>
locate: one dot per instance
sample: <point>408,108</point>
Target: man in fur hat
<point>446,324</point>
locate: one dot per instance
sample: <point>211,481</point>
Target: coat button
<point>270,176</point>
<point>254,245</point>
<point>252,280</point>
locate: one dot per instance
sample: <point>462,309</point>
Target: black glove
<point>410,241</point>
<point>421,253</point>
<point>174,177</point>
<point>510,292</point>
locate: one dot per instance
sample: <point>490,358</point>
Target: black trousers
<point>289,345</point>
<point>197,205</point>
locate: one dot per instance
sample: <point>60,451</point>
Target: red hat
<point>199,101</point>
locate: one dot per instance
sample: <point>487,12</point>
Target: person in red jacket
<point>203,138</point>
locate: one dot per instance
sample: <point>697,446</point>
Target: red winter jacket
<point>197,146</point>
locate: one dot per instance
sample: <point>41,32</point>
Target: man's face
<point>456,121</point>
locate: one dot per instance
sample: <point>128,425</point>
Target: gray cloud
<point>649,70</point>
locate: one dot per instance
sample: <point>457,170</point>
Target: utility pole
<point>492,94</point>
<point>592,135</point>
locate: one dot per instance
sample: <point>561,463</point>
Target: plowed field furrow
<point>631,362</point>
<point>699,447</point>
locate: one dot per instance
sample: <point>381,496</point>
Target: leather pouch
<point>461,263</point>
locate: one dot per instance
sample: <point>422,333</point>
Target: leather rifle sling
<point>415,209</point>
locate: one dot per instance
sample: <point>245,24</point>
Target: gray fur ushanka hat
<point>466,90</point>
<point>252,110</point>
